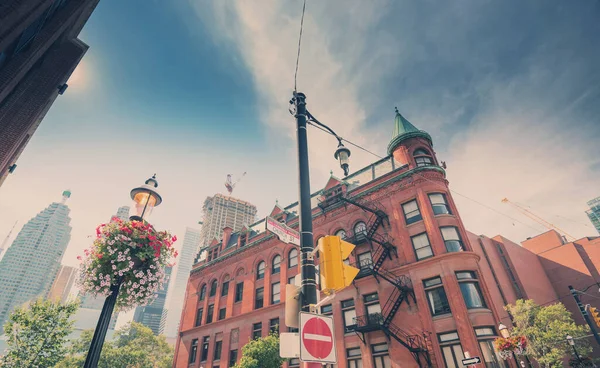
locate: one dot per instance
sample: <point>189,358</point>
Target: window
<point>260,270</point>
<point>422,157</point>
<point>439,204</point>
<point>371,302</point>
<point>213,288</point>
<point>202,292</point>
<point>292,280</point>
<point>276,264</point>
<point>451,349</point>
<point>239,291</point>
<point>293,329</point>
<point>294,362</point>
<point>274,326</point>
<point>365,260</point>
<point>199,317</point>
<point>243,240</point>
<point>193,351</point>
<point>360,231</point>
<point>225,288</point>
<point>354,358</point>
<point>259,298</point>
<point>421,245</point>
<point>204,354</point>
<point>327,309</point>
<point>293,258</point>
<point>256,330</point>
<point>436,296</point>
<point>486,336</point>
<point>209,314</point>
<point>381,356</point>
<point>411,212</point>
<point>232,357</point>
<point>222,313</point>
<point>467,280</point>
<point>349,315</point>
<point>275,293</point>
<point>341,233</point>
<point>451,239</point>
<point>217,352</point>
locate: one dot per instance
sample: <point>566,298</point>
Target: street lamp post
<point>571,342</point>
<point>308,274</point>
<point>504,332</point>
<point>145,198</point>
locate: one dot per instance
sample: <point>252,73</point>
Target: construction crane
<point>230,184</point>
<point>538,219</point>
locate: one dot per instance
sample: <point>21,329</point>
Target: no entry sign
<point>317,343</point>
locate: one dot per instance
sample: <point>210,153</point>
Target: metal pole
<point>93,356</point>
<point>309,286</point>
<point>584,313</point>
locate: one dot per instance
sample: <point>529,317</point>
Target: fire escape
<point>382,247</point>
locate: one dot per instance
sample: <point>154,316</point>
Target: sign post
<point>317,342</point>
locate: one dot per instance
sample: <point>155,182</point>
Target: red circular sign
<point>317,338</point>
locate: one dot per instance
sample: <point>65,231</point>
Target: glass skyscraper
<point>594,212</point>
<point>151,314</point>
<point>30,265</point>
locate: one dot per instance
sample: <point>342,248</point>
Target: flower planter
<point>508,346</point>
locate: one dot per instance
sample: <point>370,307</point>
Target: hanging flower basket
<point>130,253</point>
<point>506,346</point>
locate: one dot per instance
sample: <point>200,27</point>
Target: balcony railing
<point>369,322</point>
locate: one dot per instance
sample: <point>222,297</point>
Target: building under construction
<point>219,212</point>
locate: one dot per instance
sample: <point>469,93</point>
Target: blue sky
<point>194,90</point>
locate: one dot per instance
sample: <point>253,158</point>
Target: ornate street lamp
<point>145,198</point>
<point>503,331</point>
<point>124,271</point>
<point>571,342</point>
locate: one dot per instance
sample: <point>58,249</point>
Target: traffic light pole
<point>308,274</point>
<point>584,313</point>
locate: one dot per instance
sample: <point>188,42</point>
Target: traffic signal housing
<point>335,274</point>
<point>595,315</point>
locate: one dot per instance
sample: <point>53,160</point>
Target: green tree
<point>37,334</point>
<point>134,346</point>
<point>546,329</point>
<point>261,353</point>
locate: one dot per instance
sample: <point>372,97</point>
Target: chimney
<point>226,236</point>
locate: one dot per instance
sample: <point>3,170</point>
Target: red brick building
<point>39,50</point>
<point>420,299</point>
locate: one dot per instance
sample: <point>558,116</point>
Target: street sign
<point>317,343</point>
<point>285,233</point>
<point>289,345</point>
<point>471,361</point>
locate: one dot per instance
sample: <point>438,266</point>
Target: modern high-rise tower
<point>39,50</point>
<point>151,314</point>
<point>594,212</point>
<point>189,249</point>
<point>222,211</point>
<point>31,264</point>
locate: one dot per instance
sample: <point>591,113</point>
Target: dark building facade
<point>39,50</point>
<point>151,315</point>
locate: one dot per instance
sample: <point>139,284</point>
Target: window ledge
<point>442,316</point>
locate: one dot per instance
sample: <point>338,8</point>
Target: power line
<point>345,140</point>
<point>299,44</point>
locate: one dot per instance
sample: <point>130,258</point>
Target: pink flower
<point>174,238</point>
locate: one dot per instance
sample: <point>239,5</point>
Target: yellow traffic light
<point>335,274</point>
<point>595,315</point>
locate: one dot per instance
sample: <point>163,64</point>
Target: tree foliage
<point>261,353</point>
<point>37,334</point>
<point>134,346</point>
<point>546,329</point>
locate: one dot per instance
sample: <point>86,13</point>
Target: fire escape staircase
<point>417,344</point>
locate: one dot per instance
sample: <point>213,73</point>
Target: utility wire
<point>299,44</point>
<point>345,140</point>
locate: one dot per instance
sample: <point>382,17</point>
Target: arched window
<point>213,288</point>
<point>422,157</point>
<point>203,292</point>
<point>260,270</point>
<point>341,233</point>
<point>360,228</point>
<point>293,258</point>
<point>276,264</point>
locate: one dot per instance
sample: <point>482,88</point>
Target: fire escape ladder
<point>416,344</point>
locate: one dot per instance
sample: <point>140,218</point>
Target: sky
<point>193,90</point>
